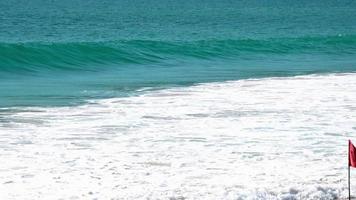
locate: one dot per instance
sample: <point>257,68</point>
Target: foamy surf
<point>271,138</point>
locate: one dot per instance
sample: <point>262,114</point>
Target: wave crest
<point>91,56</point>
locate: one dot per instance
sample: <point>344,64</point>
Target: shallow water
<point>270,138</point>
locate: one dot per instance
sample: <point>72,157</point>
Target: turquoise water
<point>56,53</point>
<point>176,99</point>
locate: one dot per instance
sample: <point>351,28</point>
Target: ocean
<point>153,99</point>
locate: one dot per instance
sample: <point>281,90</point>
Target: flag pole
<point>349,170</point>
<point>349,185</point>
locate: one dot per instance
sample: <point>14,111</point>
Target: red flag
<point>352,155</point>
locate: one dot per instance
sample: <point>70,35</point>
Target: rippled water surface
<point>171,99</point>
<point>65,52</point>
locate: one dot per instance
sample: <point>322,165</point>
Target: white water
<point>275,138</point>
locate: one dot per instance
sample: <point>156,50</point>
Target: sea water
<point>176,100</point>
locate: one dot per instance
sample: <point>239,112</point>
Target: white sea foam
<point>273,138</point>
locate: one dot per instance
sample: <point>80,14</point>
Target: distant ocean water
<point>173,99</point>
